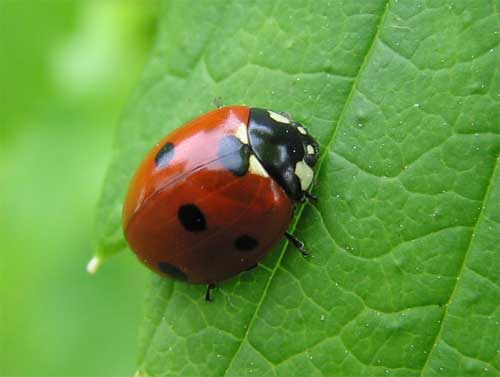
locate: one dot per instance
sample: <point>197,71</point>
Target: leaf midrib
<point>320,163</point>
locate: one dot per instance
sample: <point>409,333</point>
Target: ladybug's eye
<point>311,155</point>
<point>310,159</point>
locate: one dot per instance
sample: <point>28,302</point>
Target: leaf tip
<point>94,265</point>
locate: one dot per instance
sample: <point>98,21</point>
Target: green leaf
<point>404,98</point>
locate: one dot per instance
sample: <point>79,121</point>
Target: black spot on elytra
<point>172,271</point>
<point>191,218</point>
<point>245,243</point>
<point>234,155</point>
<point>164,155</point>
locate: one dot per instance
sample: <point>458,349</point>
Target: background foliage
<point>404,98</point>
<point>66,69</point>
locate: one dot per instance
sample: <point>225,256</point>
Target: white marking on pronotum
<point>241,134</point>
<point>310,149</point>
<point>302,130</point>
<point>94,265</point>
<point>278,117</point>
<point>255,167</point>
<point>305,174</point>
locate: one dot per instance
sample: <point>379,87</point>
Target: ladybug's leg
<point>207,293</point>
<point>312,198</point>
<point>299,245</point>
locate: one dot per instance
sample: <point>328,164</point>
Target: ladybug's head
<point>285,149</point>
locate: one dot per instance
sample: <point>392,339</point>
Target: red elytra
<point>188,216</point>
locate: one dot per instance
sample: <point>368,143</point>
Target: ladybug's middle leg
<point>298,244</point>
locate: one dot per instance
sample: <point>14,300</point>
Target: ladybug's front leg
<point>298,244</point>
<point>311,197</point>
<point>207,293</point>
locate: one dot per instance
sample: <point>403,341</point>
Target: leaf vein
<point>483,277</point>
<point>476,358</point>
<point>157,324</point>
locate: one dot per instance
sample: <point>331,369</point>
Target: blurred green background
<point>66,71</point>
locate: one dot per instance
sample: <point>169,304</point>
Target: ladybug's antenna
<point>218,102</point>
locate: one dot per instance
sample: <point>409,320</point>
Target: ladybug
<point>213,197</point>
